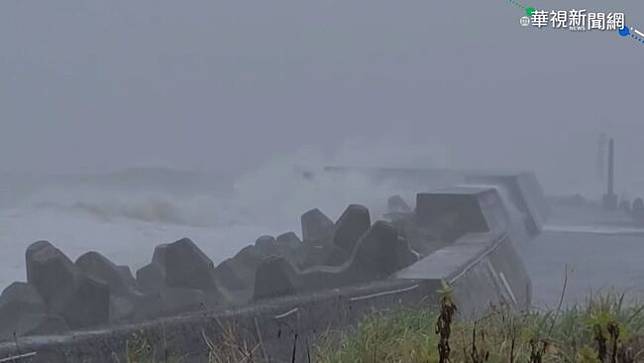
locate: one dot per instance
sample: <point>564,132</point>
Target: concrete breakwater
<point>280,292</point>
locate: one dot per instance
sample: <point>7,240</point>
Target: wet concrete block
<point>454,212</point>
<point>79,299</point>
<point>405,254</point>
<point>31,324</point>
<point>525,194</point>
<point>289,240</point>
<point>266,245</point>
<point>351,225</point>
<point>123,308</point>
<point>51,272</point>
<point>245,264</point>
<point>380,253</point>
<point>126,274</point>
<point>456,206</point>
<point>335,256</point>
<point>290,247</point>
<point>186,266</point>
<point>227,276</point>
<point>100,268</point>
<point>275,277</point>
<point>316,226</point>
<point>89,305</point>
<point>23,312</point>
<point>312,254</point>
<point>22,297</point>
<point>171,300</point>
<point>151,277</point>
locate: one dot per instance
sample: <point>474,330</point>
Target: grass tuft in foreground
<point>602,330</point>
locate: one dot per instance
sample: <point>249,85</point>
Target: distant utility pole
<point>610,198</point>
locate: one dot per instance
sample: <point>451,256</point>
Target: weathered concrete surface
<point>337,246</point>
<point>352,224</point>
<point>316,226</point>
<point>480,263</point>
<point>23,312</point>
<point>186,266</point>
<point>444,215</point>
<point>66,291</point>
<point>524,192</point>
<point>151,277</point>
<point>289,240</point>
<point>98,267</point>
<point>457,211</point>
<point>275,323</point>
<point>482,268</point>
<point>180,278</point>
<point>275,277</point>
<point>227,276</point>
<point>379,253</point>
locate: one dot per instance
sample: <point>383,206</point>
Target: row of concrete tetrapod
<point>62,295</point>
<point>329,279</point>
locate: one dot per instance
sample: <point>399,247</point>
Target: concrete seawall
<point>482,269</point>
<point>273,324</point>
<point>482,266</point>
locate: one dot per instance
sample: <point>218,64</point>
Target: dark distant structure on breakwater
<point>609,199</point>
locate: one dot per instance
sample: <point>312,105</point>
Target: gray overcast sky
<point>225,84</point>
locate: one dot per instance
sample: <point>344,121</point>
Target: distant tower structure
<point>610,198</point>
<point>601,156</point>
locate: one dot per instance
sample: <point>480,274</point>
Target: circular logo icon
<point>524,21</point>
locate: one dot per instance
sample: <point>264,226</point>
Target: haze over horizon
<point>228,86</point>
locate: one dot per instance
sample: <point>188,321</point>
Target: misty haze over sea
<point>125,214</point>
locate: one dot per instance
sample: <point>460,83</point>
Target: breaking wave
<point>275,194</point>
<point>125,222</point>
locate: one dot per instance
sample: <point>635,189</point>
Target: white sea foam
<point>125,223</point>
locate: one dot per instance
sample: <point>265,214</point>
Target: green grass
<point>604,329</point>
<point>571,335</point>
